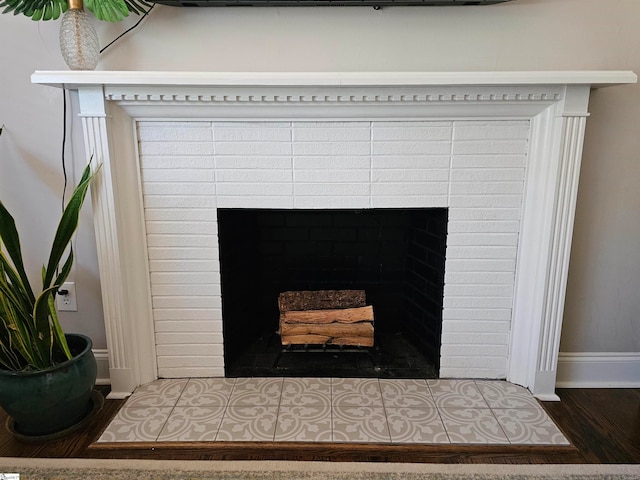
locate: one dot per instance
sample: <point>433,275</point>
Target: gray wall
<point>603,303</point>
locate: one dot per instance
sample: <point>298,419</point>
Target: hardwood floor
<point>602,424</point>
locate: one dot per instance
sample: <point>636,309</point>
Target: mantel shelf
<point>75,79</point>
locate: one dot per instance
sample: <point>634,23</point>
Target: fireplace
<point>500,151</point>
<point>396,256</point>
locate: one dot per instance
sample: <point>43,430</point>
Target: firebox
<point>396,256</point>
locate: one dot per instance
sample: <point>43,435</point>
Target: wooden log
<point>321,299</point>
<point>325,317</point>
<point>304,339</point>
<point>363,329</point>
<point>345,315</point>
<point>354,341</point>
<point>324,340</point>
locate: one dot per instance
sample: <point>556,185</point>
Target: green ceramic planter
<point>52,400</point>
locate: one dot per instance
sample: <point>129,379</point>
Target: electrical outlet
<point>66,298</point>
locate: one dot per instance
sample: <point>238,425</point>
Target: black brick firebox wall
<point>396,255</point>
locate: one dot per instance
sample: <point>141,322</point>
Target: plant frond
<point>36,9</point>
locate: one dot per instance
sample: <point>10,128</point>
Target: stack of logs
<point>326,317</point>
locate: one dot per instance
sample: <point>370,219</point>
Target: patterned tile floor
<point>333,410</point>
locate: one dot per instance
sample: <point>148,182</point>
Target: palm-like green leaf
<point>107,10</point>
<point>36,9</point>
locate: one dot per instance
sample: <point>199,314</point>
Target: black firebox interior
<point>396,255</point>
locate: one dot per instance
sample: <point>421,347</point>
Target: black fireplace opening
<point>396,256</point>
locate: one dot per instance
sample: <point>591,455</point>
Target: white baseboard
<point>102,359</point>
<point>575,370</point>
<point>598,370</point>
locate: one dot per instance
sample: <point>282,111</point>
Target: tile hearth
<point>333,410</point>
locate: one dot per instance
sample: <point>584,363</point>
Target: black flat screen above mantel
<point>328,3</point>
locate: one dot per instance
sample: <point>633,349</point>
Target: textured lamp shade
<point>78,38</point>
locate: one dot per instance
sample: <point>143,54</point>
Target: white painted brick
<point>475,338</point>
<point>450,372</point>
<point>417,201</point>
<point>331,189</point>
<point>189,349</point>
<point>326,134</point>
<point>179,201</point>
<point>489,201</point>
<point>476,314</point>
<point>197,290</point>
<point>250,124</point>
<point>202,289</point>
<point>487,175</point>
<point>331,163</point>
<point>486,226</point>
<point>258,201</point>
<point>168,240</point>
<point>488,161</point>
<point>261,149</point>
<point>258,161</point>
<point>176,148</point>
<point>178,175</point>
<point>341,148</point>
<point>477,326</point>
<point>167,188</point>
<point>410,176</point>
<point>486,252</point>
<point>181,278</point>
<point>459,356</point>
<point>477,302</point>
<point>330,124</point>
<point>332,176</point>
<point>184,372</point>
<point>481,239</point>
<point>160,302</point>
<point>184,253</point>
<point>410,162</point>
<point>499,130</point>
<point>172,123</point>
<point>184,265</point>
<point>149,162</point>
<point>411,148</point>
<point>409,189</point>
<point>187,361</point>
<point>258,134</point>
<point>316,202</point>
<point>456,214</point>
<point>486,188</point>
<point>415,133</point>
<point>182,338</point>
<point>479,278</point>
<point>411,123</point>
<point>180,214</point>
<point>255,188</point>
<point>204,323</point>
<point>334,172</point>
<point>494,147</point>
<point>251,175</point>
<point>182,228</point>
<point>478,290</point>
<point>176,133</point>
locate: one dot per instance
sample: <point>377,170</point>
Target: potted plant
<point>78,38</point>
<point>46,377</point>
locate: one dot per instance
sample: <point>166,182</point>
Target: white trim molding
<point>102,359</point>
<point>553,103</point>
<point>598,370</point>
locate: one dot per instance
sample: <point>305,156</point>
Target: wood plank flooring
<point>602,424</point>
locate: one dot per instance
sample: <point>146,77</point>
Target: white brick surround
<point>476,168</point>
<point>502,150</point>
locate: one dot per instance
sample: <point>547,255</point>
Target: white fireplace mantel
<point>555,104</point>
